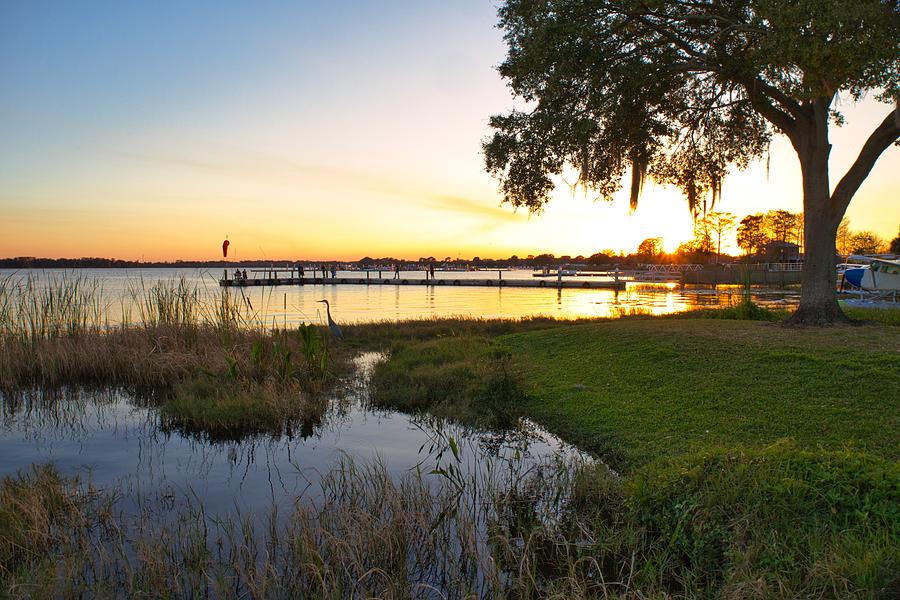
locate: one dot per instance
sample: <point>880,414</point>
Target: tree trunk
<point>818,280</point>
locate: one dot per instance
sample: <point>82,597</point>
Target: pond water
<point>290,305</point>
<point>119,444</point>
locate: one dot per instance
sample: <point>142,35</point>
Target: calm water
<point>119,444</point>
<point>356,303</point>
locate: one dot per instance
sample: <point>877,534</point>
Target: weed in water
<point>771,523</point>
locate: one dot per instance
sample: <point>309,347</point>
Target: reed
<point>771,523</point>
<point>205,354</point>
<point>58,330</point>
<point>38,512</point>
<point>34,309</point>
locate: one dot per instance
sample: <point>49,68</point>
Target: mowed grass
<point>635,390</point>
<point>711,499</point>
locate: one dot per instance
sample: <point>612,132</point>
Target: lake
<point>290,305</point>
<point>173,493</point>
<point>117,441</point>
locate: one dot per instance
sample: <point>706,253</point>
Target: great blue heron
<point>332,326</point>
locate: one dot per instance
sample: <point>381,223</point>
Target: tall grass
<point>770,523</point>
<point>33,309</point>
<point>360,533</point>
<point>36,308</point>
<point>207,351</point>
<point>173,303</point>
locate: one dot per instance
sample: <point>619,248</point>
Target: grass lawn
<point>686,408</point>
<point>635,390</point>
<point>689,409</point>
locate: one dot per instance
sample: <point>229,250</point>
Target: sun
<point>671,242</point>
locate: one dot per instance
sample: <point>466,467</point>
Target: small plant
<point>314,348</point>
<point>284,368</point>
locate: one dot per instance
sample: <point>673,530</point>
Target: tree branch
<point>884,135</point>
<point>776,116</point>
<point>789,104</point>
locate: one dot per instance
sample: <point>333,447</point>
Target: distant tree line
<point>776,234</point>
<point>31,262</point>
<point>780,231</point>
<point>770,237</point>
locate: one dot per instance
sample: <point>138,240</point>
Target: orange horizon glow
<point>114,147</point>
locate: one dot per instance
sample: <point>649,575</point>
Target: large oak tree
<point>684,90</point>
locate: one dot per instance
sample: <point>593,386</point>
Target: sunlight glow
<point>111,151</point>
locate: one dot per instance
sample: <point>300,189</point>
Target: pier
<point>272,279</point>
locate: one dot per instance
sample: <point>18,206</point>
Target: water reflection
<point>118,442</point>
<point>290,305</point>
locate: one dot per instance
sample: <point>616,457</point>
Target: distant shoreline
<point>29,262</point>
<point>109,263</point>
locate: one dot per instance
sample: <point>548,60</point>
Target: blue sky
<point>300,129</point>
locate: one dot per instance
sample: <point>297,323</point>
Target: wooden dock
<point>438,282</point>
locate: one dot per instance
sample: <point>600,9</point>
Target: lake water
<point>118,443</point>
<point>290,305</point>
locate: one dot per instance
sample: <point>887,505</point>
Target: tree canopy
<point>681,90</point>
<point>866,242</point>
<point>684,90</point>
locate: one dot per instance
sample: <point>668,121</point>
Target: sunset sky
<point>306,130</point>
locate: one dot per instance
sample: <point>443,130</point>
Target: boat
<point>548,272</point>
<point>879,275</point>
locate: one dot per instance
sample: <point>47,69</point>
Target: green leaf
<point>453,447</point>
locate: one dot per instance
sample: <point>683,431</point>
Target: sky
<point>314,130</point>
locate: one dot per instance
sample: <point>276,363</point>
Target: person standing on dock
<point>431,271</point>
<point>396,270</point>
<point>334,270</point>
<point>299,269</point>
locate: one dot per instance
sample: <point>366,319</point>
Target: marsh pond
<point>356,484</point>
